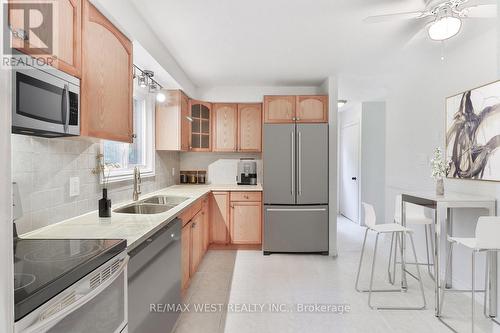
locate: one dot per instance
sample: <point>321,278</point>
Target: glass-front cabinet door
<point>201,117</point>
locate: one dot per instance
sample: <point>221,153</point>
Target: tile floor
<point>247,277</point>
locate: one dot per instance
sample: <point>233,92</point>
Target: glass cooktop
<point>45,267</point>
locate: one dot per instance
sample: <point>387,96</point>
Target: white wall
<point>329,87</point>
<point>416,118</point>
<point>242,94</point>
<point>373,157</point>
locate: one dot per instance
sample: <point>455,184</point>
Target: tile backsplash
<point>42,168</point>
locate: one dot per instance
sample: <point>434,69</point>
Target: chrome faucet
<point>137,183</point>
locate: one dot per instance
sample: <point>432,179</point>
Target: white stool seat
<point>467,242</point>
<point>389,227</point>
<point>420,221</point>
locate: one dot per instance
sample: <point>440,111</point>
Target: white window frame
<point>118,175</point>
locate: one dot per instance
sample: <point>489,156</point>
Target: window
<point>140,153</point>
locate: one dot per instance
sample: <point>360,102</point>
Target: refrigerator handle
<point>293,163</point>
<point>299,171</point>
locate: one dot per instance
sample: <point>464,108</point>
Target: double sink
<point>154,205</point>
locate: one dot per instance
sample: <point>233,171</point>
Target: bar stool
<point>370,220</point>
<point>486,240</point>
<point>414,215</point>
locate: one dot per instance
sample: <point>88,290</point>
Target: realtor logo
<point>30,27</point>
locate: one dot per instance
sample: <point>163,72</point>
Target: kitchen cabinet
<point>172,122</point>
<point>225,126</point>
<point>246,218</point>
<point>196,250</point>
<point>296,109</point>
<point>65,31</point>
<point>312,109</point>
<point>279,109</point>
<point>250,127</point>
<point>206,222</point>
<point>106,87</point>
<point>219,217</point>
<point>200,126</point>
<point>185,254</point>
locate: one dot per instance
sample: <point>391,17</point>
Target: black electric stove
<point>45,267</point>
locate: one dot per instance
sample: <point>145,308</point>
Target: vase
<point>440,187</point>
<point>104,204</point>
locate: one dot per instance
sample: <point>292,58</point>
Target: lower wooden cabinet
<point>246,222</point>
<point>246,218</point>
<point>196,243</point>
<point>219,217</point>
<point>185,254</point>
<point>205,211</point>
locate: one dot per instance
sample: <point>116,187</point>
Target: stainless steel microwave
<point>46,102</point>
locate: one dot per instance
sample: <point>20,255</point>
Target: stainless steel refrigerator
<point>295,188</point>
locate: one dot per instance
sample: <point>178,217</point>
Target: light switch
<point>173,171</point>
<point>74,186</point>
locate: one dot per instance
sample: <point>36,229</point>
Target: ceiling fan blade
<point>480,11</point>
<point>471,3</point>
<point>395,17</point>
<point>418,35</point>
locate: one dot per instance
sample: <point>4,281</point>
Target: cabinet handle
<point>133,136</point>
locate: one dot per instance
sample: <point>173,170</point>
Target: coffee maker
<point>247,172</point>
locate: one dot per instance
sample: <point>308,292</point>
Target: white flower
<point>439,167</point>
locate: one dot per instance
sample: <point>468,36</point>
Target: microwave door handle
<point>49,322</point>
<point>65,108</point>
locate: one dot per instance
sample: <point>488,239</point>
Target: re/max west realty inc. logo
<point>29,37</point>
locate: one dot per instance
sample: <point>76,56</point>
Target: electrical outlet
<point>74,186</point>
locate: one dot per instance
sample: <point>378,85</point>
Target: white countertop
<point>135,228</point>
<point>450,197</point>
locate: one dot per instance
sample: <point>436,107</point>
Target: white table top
<point>450,197</point>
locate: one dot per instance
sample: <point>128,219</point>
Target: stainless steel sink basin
<point>144,208</point>
<point>165,200</point>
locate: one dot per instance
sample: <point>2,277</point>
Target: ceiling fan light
<point>444,28</point>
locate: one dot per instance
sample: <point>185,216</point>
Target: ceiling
<point>287,42</point>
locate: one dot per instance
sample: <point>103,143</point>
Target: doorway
<point>349,171</point>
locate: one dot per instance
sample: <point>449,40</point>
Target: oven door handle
<point>47,323</point>
<point>65,107</point>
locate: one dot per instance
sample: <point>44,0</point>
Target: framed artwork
<point>473,133</point>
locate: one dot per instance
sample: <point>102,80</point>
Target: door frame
<point>359,180</point>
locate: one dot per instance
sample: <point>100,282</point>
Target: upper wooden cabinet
<point>172,122</point>
<point>300,109</point>
<point>250,127</point>
<point>225,125</point>
<point>312,109</point>
<point>200,126</point>
<point>106,98</point>
<point>66,33</point>
<point>279,109</point>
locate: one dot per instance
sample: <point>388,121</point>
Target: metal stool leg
<point>372,273</point>
<point>473,292</point>
<point>361,260</point>
<point>427,249</point>
<point>389,275</point>
<point>418,271</point>
<point>447,268</point>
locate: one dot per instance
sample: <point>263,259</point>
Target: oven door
<point>97,303</point>
<point>45,103</point>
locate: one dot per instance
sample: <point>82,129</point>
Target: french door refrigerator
<point>295,188</point>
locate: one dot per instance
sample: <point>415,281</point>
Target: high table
<point>442,206</point>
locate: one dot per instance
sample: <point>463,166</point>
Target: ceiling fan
<point>444,18</point>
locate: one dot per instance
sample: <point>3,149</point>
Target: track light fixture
<point>145,80</point>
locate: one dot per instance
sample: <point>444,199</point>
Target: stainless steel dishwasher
<point>154,277</point>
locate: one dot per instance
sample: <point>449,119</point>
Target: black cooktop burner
<point>45,267</point>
